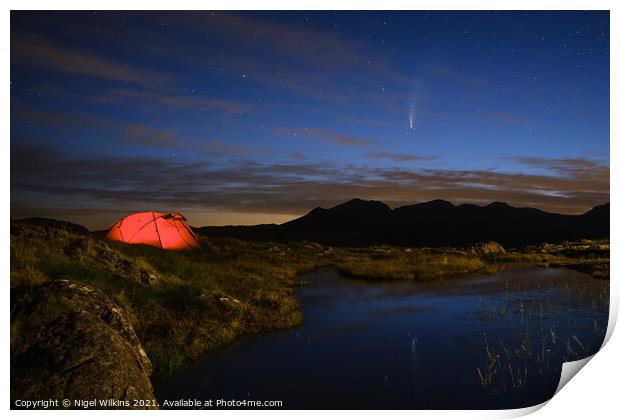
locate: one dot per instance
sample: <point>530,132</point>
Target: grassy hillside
<point>185,304</point>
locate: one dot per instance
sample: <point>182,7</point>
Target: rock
<point>84,248</point>
<point>487,248</point>
<point>228,300</point>
<point>147,277</point>
<point>71,341</point>
<point>277,250</point>
<point>328,251</point>
<point>34,233</point>
<point>80,247</point>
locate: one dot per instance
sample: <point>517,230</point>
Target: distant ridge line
<point>360,222</point>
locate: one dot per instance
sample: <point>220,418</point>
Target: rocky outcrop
<point>70,341</point>
<point>487,248</point>
<point>85,249</point>
<point>47,224</point>
<point>102,253</point>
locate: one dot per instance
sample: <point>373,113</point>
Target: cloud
<point>570,167</point>
<point>217,147</point>
<point>459,76</point>
<point>80,122</point>
<point>61,120</point>
<point>37,116</point>
<point>329,136</point>
<point>399,157</point>
<point>149,135</point>
<point>63,212</point>
<point>539,188</point>
<point>338,138</point>
<point>323,48</point>
<point>166,99</point>
<point>124,95</point>
<point>397,122</point>
<point>228,107</point>
<point>298,58</point>
<point>43,53</point>
<point>39,172</point>
<point>144,97</point>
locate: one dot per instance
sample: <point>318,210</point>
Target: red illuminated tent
<point>163,230</point>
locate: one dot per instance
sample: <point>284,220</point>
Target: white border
<point>593,394</point>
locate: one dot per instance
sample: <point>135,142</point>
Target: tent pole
<point>157,229</point>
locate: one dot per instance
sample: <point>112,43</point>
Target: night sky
<point>258,117</point>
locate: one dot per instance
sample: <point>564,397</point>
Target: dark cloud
<point>217,147</point>
<point>291,57</point>
<point>43,53</point>
<point>80,122</point>
<point>37,116</point>
<point>165,99</point>
<point>228,107</point>
<point>251,187</point>
<point>148,135</point>
<point>398,122</point>
<point>328,136</point>
<point>138,96</point>
<point>324,49</point>
<point>125,95</point>
<point>62,120</point>
<point>572,167</point>
<point>28,210</point>
<point>295,58</point>
<point>338,138</point>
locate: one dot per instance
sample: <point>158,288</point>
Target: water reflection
<point>489,341</point>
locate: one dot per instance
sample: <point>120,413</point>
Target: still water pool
<point>489,341</point>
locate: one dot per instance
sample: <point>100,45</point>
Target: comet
<point>411,123</point>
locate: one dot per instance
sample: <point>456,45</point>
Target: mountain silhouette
<point>434,223</point>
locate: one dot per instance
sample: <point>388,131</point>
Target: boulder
<point>70,341</point>
<point>487,248</point>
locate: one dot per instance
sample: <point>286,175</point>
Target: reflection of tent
<point>163,230</point>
